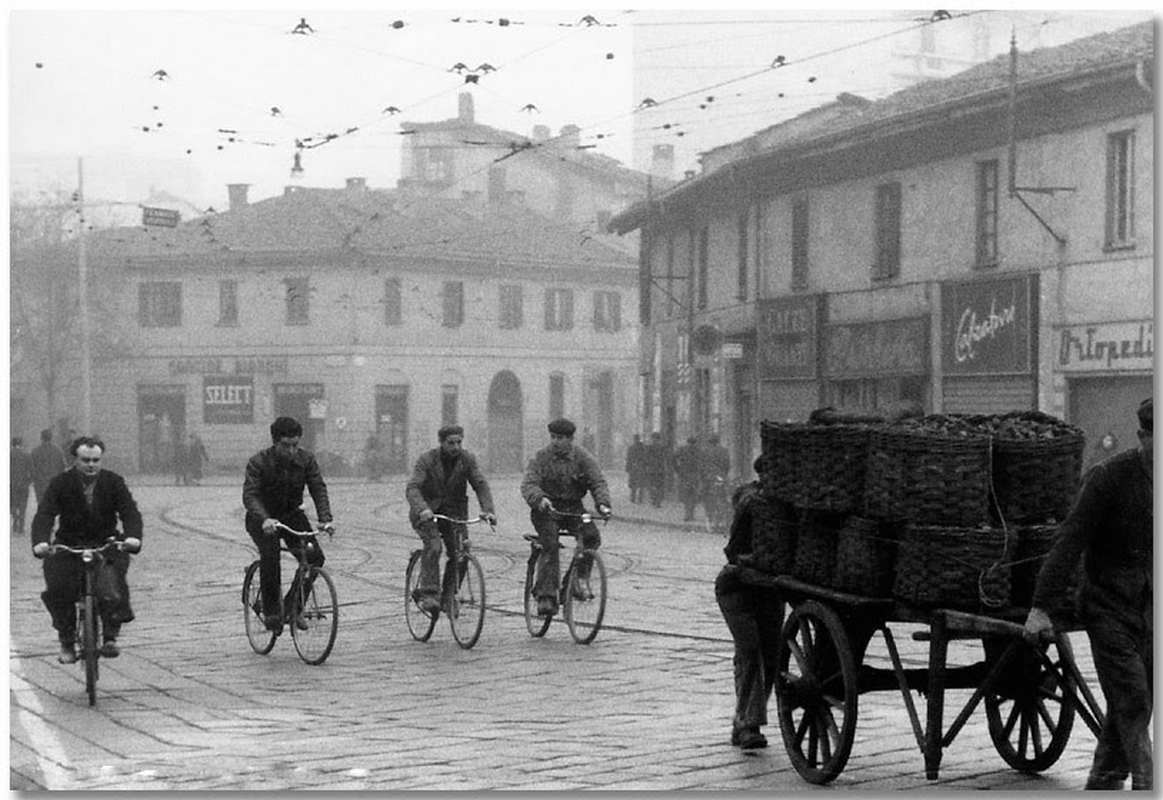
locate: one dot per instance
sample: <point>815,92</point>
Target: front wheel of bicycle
<point>420,622</point>
<point>316,619</point>
<point>466,607</point>
<point>585,599</point>
<point>89,646</point>
<point>536,624</point>
<point>261,639</point>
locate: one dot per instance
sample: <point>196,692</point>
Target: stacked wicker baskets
<point>932,511</point>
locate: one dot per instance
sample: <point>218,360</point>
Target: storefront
<point>786,358</point>
<point>988,341</point>
<point>872,366</point>
<point>1108,371</point>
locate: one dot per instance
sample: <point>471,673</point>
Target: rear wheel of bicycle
<point>316,618</point>
<point>261,639</point>
<point>466,607</point>
<point>420,622</point>
<point>537,625</point>
<point>89,646</point>
<point>585,599</point>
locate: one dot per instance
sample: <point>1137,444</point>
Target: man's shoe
<point>581,590</point>
<point>546,606</point>
<point>110,649</point>
<point>752,740</point>
<point>429,605</point>
<point>274,623</point>
<point>68,654</point>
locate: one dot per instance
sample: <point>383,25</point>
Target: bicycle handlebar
<point>302,534</point>
<point>88,552</point>
<point>473,521</point>
<point>585,516</point>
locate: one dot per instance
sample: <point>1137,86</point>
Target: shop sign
<point>786,329</point>
<point>227,399</point>
<point>317,408</point>
<point>1107,347</point>
<point>225,365</point>
<point>298,389</point>
<point>887,347</point>
<point>985,327</point>
<point>732,350</point>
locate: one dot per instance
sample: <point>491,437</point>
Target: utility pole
<point>83,297</point>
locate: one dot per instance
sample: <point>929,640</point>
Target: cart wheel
<point>1029,711</point>
<point>816,692</point>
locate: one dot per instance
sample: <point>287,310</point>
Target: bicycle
<point>583,601</point>
<point>87,613</point>
<point>313,615</point>
<point>464,605</point>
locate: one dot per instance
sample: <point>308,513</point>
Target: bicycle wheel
<point>89,646</point>
<point>466,607</point>
<point>316,619</point>
<point>261,639</point>
<point>420,623</point>
<point>585,599</point>
<point>537,625</point>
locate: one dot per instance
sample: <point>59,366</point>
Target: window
<point>512,310</point>
<point>703,267</point>
<point>434,164</point>
<point>227,302</point>
<point>453,302</point>
<point>298,296</point>
<point>556,396</point>
<point>393,306</point>
<point>448,403</point>
<point>986,253</point>
<point>607,311</point>
<point>159,304</point>
<point>799,243</point>
<point>558,309</point>
<point>741,291</point>
<point>888,231</point>
<point>1120,181</point>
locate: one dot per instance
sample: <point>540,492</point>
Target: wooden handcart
<point>1031,694</point>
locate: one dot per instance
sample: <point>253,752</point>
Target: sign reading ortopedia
<point>161,217</point>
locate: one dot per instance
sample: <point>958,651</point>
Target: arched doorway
<point>505,435</point>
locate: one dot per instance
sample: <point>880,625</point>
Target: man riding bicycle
<point>89,501</point>
<point>438,486</point>
<point>272,493</point>
<point>557,479</point>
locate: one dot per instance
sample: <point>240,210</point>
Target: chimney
<point>465,112</point>
<point>357,184</point>
<point>662,161</point>
<point>569,136</point>
<point>237,194</point>
<point>540,133</point>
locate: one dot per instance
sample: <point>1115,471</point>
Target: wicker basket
<point>1037,479</point>
<point>819,467</point>
<point>927,478</point>
<point>815,559</point>
<point>866,557</point>
<point>953,567</point>
<point>774,528</point>
<point>1032,545</point>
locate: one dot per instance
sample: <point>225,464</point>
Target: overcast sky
<point>87,84</point>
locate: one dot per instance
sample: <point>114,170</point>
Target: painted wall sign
<point>225,365</point>
<point>298,389</point>
<point>227,399</point>
<point>787,330</point>
<point>1106,347</point>
<point>985,327</point>
<point>887,347</point>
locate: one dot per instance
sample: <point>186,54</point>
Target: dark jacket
<point>19,471</point>
<point>48,461</point>
<point>563,478</point>
<point>78,524</point>
<point>1111,524</point>
<point>429,486</point>
<point>274,487</point>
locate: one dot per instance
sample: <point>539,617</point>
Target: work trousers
<point>549,563</point>
<point>64,582</point>
<point>270,564</point>
<point>432,534</point>
<point>754,615</point>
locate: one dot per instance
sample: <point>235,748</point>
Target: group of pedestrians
<point>699,468</point>
<point>33,469</point>
<point>189,457</point>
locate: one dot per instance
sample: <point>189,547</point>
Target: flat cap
<point>449,430</point>
<point>562,427</point>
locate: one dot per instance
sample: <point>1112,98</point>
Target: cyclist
<point>272,493</point>
<point>438,486</point>
<point>87,502</point>
<point>557,479</point>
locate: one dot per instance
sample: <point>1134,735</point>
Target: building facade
<point>973,244</point>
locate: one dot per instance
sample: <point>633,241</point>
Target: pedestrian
<point>714,469</point>
<point>754,615</point>
<point>1110,527</point>
<point>87,502</point>
<point>558,478</point>
<point>655,464</point>
<point>371,458</point>
<point>439,486</point>
<point>181,462</point>
<point>272,493</point>
<point>48,461</point>
<point>196,456</point>
<point>635,469</point>
<point>686,471</point>
<point>587,442</point>
<point>19,479</point>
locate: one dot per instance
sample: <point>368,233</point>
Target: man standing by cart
<point>1111,527</point>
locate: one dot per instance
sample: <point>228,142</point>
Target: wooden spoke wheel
<point>1030,709</point>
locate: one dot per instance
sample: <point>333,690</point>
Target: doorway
<point>505,433</point>
<point>161,424</point>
